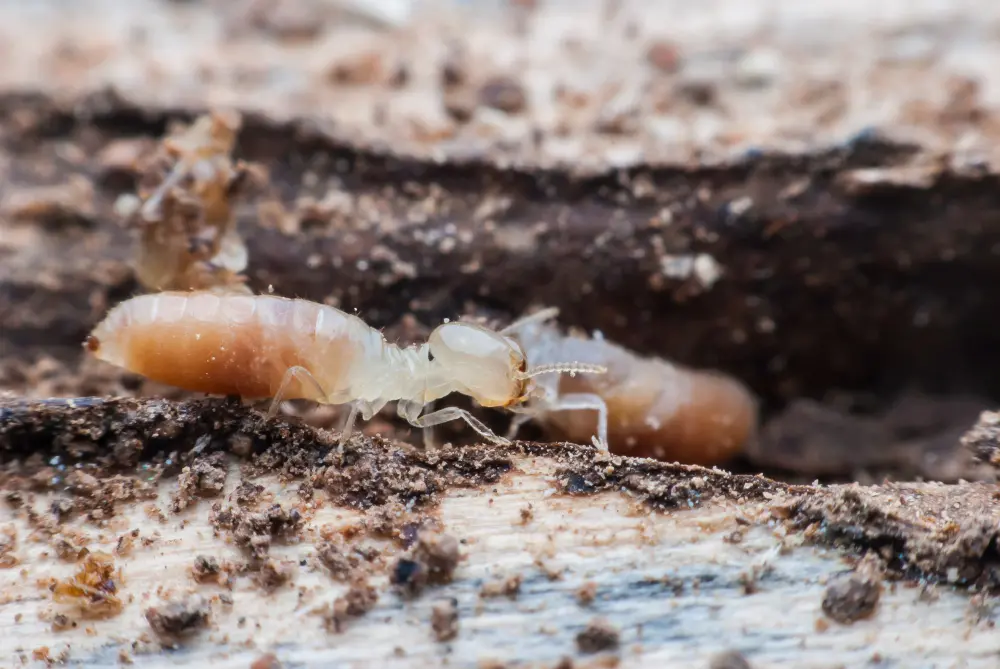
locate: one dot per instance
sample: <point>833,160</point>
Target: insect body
<point>259,346</point>
<point>653,408</point>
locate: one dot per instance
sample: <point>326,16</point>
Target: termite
<point>264,346</point>
<point>653,408</point>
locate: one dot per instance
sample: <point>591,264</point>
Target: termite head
<point>481,363</point>
<point>489,366</point>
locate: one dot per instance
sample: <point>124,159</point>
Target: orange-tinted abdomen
<point>222,344</point>
<point>662,411</point>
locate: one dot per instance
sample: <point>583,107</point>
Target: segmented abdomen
<point>233,344</point>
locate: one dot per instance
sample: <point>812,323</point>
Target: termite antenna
<point>571,368</point>
<point>537,317</point>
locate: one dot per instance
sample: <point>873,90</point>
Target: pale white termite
<point>261,346</point>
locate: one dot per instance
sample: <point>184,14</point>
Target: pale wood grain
<point>635,557</point>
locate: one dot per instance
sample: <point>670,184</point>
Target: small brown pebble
<point>61,621</point>
<point>664,56</point>
<point>432,559</point>
<point>854,596</point>
<point>599,635</point>
<point>205,568</point>
<point>510,587</point>
<point>274,574</point>
<point>268,661</point>
<point>730,659</point>
<point>586,593</point>
<point>359,599</point>
<point>178,617</point>
<point>527,514</point>
<point>362,70</point>
<point>503,93</point>
<point>444,619</point>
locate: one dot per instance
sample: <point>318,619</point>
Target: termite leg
<point>410,411</point>
<point>583,401</point>
<point>366,409</point>
<point>304,376</point>
<point>519,419</point>
<point>345,432</point>
<point>537,317</point>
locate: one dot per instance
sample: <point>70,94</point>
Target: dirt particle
<point>444,619</point>
<point>527,514</point>
<point>8,544</point>
<point>599,635</point>
<point>248,494</point>
<point>359,599</point>
<point>664,56</point>
<point>206,477</point>
<point>503,93</point>
<point>432,560</point>
<point>274,573</point>
<point>62,622</point>
<point>205,568</point>
<point>586,593</point>
<point>509,587</point>
<point>853,596</point>
<point>342,560</point>
<point>730,659</point>
<point>267,661</point>
<point>95,589</point>
<point>254,532</point>
<point>179,617</point>
<point>363,69</point>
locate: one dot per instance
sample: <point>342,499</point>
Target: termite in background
<point>183,212</point>
<point>264,346</point>
<point>654,408</point>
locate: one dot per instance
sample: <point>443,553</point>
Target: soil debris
<point>586,593</point>
<point>431,561</point>
<point>95,589</point>
<point>599,635</point>
<point>255,531</point>
<point>273,574</point>
<point>8,546</point>
<point>179,617</point>
<point>205,477</point>
<point>205,569</point>
<point>444,619</point>
<point>983,439</point>
<point>343,559</point>
<point>359,599</point>
<point>509,587</point>
<point>941,532</point>
<point>854,596</point>
<point>266,661</point>
<point>729,659</point>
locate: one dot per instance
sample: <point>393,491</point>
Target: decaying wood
<point>681,562</point>
<point>766,192</point>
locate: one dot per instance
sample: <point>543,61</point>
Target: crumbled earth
<point>431,561</point>
<point>255,531</point>
<point>599,635</point>
<point>444,619</point>
<point>179,617</point>
<point>922,530</point>
<point>359,599</point>
<point>731,659</point>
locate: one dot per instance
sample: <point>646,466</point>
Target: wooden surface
<point>852,213</point>
<point>637,559</point>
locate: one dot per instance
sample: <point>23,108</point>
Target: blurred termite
<point>263,346</point>
<point>654,408</point>
<point>184,212</point>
